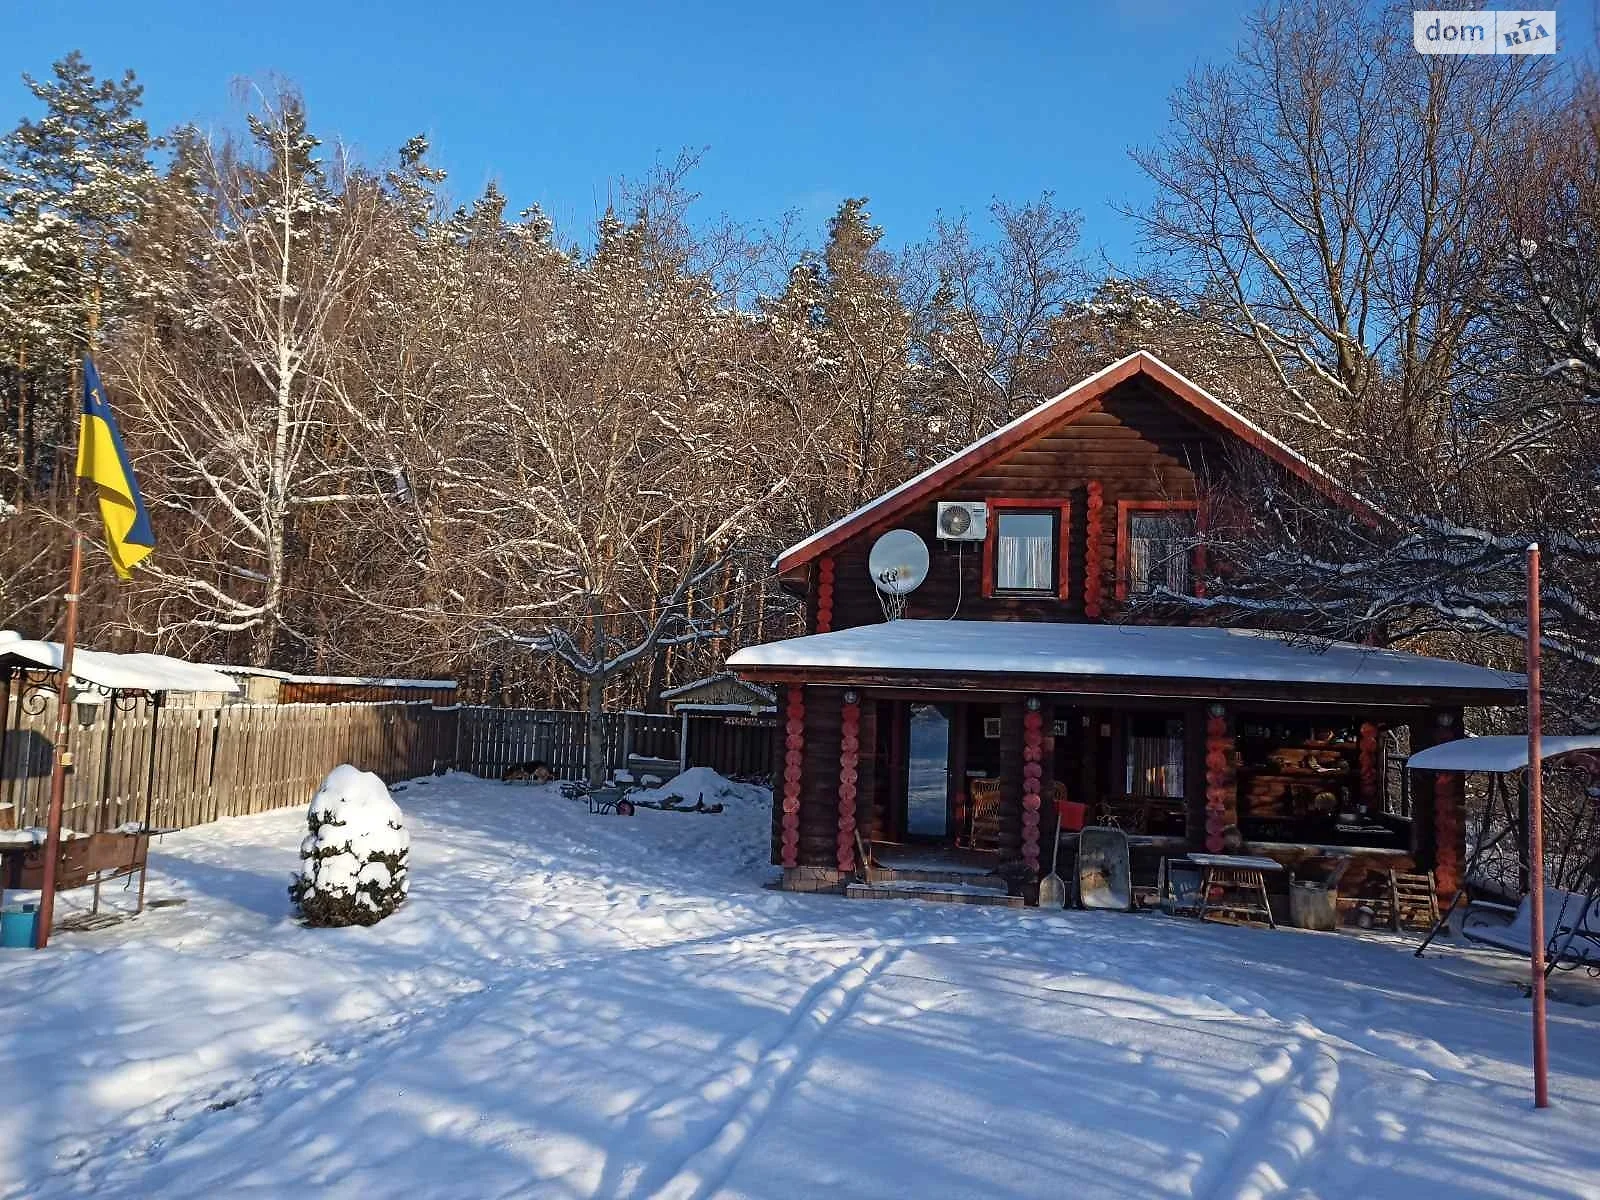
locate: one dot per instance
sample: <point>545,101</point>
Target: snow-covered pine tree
<point>73,182</point>
<point>354,862</point>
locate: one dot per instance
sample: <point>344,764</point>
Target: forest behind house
<point>383,430</point>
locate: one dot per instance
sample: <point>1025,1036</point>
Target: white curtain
<point>1026,541</point>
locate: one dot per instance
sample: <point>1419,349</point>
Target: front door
<point>928,772</point>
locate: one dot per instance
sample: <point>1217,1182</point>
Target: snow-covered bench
<point>1571,922</point>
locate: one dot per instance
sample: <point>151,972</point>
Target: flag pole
<point>1541,1048</point>
<point>63,742</point>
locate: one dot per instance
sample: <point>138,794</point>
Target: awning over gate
<point>115,672</point>
<point>1497,754</point>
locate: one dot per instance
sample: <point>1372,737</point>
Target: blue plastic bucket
<point>17,926</point>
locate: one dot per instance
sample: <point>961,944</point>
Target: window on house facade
<point>1154,757</point>
<point>1025,551</point>
<point>1161,552</point>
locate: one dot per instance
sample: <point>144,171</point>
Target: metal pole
<point>1541,1048</point>
<point>63,748</point>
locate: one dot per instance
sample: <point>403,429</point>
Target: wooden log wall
<point>1222,780</point>
<point>1134,445</point>
<point>849,764</point>
<point>819,807</point>
<point>194,765</point>
<point>1032,772</point>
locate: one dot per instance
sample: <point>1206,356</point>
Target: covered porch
<point>956,738</point>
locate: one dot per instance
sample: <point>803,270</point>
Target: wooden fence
<point>493,739</point>
<point>193,765</point>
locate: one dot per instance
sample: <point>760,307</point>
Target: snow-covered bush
<point>353,862</point>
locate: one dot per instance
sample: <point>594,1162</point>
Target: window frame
<point>1058,508</point>
<point>1125,511</point>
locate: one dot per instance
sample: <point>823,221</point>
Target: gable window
<point>1156,548</point>
<point>1023,554</point>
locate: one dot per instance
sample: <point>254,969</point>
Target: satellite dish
<point>898,562</point>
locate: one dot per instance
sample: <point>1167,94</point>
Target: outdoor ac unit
<point>962,521</point>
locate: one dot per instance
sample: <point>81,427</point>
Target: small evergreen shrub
<point>353,862</point>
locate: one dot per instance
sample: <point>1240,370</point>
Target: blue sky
<point>921,107</point>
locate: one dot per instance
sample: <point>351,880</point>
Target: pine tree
<point>73,183</point>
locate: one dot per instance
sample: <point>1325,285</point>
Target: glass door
<point>928,772</point>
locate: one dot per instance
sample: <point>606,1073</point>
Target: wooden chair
<point>983,829</point>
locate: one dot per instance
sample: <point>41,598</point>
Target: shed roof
<point>1497,753</point>
<point>1063,407</point>
<point>116,672</point>
<point>1046,649</point>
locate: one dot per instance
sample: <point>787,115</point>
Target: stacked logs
<point>1032,773</point>
<point>1092,581</point>
<point>825,595</point>
<point>1219,780</point>
<point>849,759</point>
<point>794,750</point>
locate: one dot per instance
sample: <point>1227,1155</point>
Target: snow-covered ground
<point>576,1005</point>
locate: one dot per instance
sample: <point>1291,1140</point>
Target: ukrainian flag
<point>103,459</point>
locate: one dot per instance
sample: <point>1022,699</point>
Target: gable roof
<point>1058,409</point>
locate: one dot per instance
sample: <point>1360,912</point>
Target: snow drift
<point>354,861</point>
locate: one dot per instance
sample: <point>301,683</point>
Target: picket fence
<point>185,766</point>
<point>492,739</point>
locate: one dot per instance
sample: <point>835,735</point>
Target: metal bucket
<point>17,925</point>
<point>1313,906</point>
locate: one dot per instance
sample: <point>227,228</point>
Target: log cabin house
<point>1020,672</point>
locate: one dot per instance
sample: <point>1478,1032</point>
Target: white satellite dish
<point>898,564</point>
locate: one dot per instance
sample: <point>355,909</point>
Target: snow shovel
<point>1052,891</point>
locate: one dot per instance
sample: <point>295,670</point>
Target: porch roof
<point>1498,754</point>
<point>1106,658</point>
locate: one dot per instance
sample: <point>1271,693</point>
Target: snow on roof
<point>1498,754</point>
<point>1128,651</point>
<point>130,672</point>
<point>1067,403</point>
<point>719,677</point>
<point>740,709</point>
<point>341,680</point>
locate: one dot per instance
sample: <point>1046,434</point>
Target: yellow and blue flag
<point>103,459</point>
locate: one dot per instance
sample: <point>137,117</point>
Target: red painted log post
<point>1032,772</point>
<point>849,761</point>
<point>1092,563</point>
<point>1449,805</point>
<point>825,595</point>
<point>1222,800</point>
<point>1368,755</point>
<point>794,751</point>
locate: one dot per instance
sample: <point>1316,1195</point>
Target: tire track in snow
<point>1283,1130</point>
<point>757,1087</point>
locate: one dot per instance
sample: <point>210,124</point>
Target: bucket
<point>1313,906</point>
<point>17,924</point>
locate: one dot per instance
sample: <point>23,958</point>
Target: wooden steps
<point>947,887</point>
<point>1413,902</point>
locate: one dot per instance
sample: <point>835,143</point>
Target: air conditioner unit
<point>962,521</point>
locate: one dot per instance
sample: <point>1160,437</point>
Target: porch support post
<point>794,753</point>
<point>1222,784</point>
<point>849,761</point>
<point>1368,758</point>
<point>1449,813</point>
<point>1032,772</point>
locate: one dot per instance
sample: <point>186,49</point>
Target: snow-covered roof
<point>1042,648</point>
<point>1498,753</point>
<point>721,677</point>
<point>1061,407</point>
<point>734,709</point>
<point>340,680</point>
<point>129,672</point>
